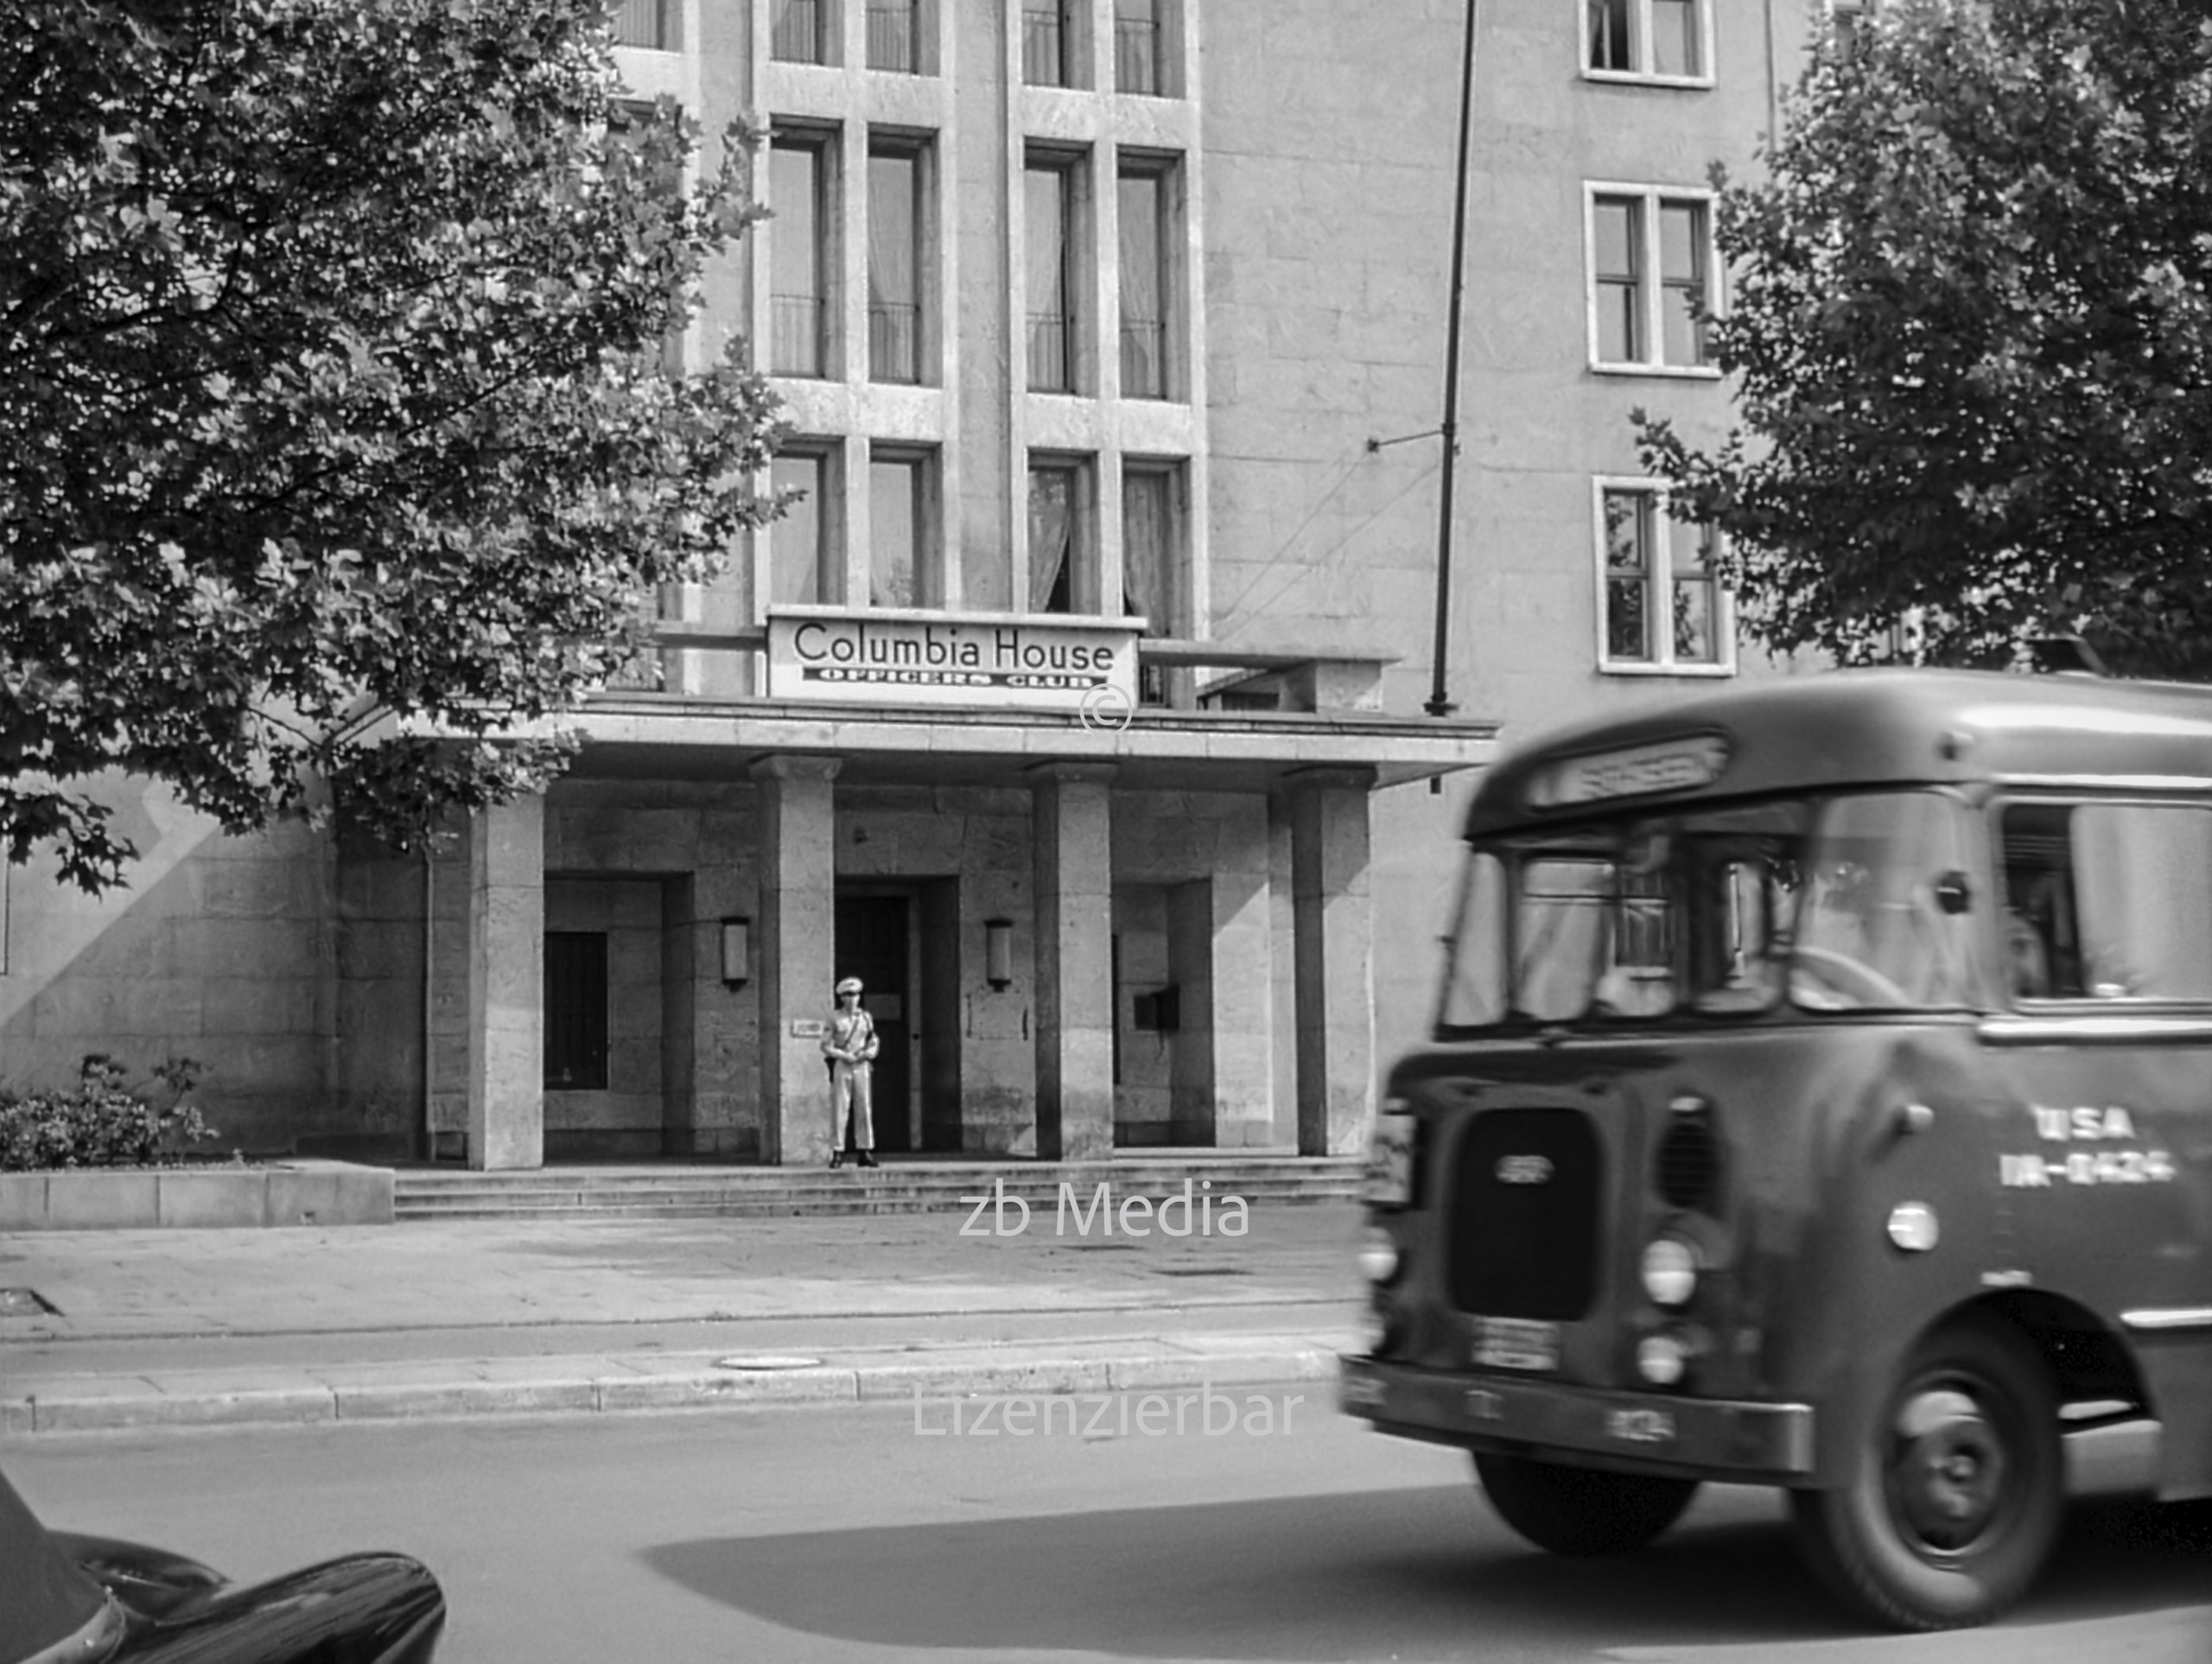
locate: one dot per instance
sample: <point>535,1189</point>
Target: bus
<point>1819,1095</point>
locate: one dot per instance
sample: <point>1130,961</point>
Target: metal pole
<point>1439,705</point>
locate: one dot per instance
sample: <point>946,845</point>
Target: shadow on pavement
<point>1377,1574</point>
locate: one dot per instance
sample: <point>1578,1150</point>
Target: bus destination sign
<point>1636,772</point>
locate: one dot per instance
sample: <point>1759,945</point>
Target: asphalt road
<point>847,1534</point>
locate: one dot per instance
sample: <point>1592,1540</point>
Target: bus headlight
<point>1378,1256</point>
<point>1669,1270</point>
<point>1661,1359</point>
<point>1913,1228</point>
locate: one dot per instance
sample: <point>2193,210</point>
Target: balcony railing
<point>798,36</point>
<point>651,24</point>
<point>892,37</point>
<point>1044,47</point>
<point>1049,367</point>
<point>795,335</point>
<point>1144,372</point>
<point>893,341</point>
<point>1136,55</point>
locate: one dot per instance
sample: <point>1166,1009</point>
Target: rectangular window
<point>897,525</point>
<point>1652,266</point>
<point>1049,210</point>
<point>1063,535</point>
<point>1138,41</point>
<point>575,1010</point>
<point>2108,901</point>
<point>894,262</point>
<point>1153,557</point>
<point>801,33</point>
<point>894,36</point>
<point>1661,606</point>
<point>800,263</point>
<point>1145,283</point>
<point>802,572</point>
<point>1646,40</point>
<point>653,25</point>
<point>1047,43</point>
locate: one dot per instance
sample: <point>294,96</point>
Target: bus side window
<point>2041,958</point>
<point>2108,901</point>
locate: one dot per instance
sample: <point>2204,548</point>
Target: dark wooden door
<point>872,946</point>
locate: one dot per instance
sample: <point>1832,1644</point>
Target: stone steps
<point>896,1187</point>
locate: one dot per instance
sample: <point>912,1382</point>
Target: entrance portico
<point>1090,919</point>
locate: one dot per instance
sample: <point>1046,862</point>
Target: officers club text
<point>1194,1212</point>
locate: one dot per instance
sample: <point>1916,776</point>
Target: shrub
<point>102,1122</point>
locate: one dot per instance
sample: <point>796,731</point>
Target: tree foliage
<point>342,430</point>
<point>1972,340</point>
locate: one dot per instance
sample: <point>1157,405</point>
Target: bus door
<point>2106,1169</point>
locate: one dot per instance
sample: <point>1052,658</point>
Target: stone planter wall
<point>281,1193</point>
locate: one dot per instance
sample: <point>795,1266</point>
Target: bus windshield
<point>1849,903</point>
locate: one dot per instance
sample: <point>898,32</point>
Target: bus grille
<point>1524,1215</point>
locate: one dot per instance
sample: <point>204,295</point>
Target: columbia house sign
<point>1004,660</point>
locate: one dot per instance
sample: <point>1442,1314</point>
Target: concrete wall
<point>222,950</point>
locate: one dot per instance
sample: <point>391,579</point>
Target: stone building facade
<point>1094,320</point>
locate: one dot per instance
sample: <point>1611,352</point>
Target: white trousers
<point>849,1095</point>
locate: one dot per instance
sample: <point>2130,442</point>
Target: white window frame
<point>1640,49</point>
<point>1665,533</point>
<point>1651,286</point>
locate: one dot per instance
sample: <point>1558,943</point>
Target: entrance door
<point>872,944</point>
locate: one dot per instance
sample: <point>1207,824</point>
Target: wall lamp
<point>737,951</point>
<point>998,952</point>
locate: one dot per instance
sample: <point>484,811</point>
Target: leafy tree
<point>341,430</point>
<point>1972,340</point>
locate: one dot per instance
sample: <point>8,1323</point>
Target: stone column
<point>1334,958</point>
<point>794,948</point>
<point>1073,841</point>
<point>506,986</point>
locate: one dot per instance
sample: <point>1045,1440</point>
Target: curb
<point>112,1404</point>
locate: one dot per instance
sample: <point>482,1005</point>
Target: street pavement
<point>103,1330</point>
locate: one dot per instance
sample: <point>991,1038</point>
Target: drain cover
<point>23,1303</point>
<point>1202,1271</point>
<point>767,1360</point>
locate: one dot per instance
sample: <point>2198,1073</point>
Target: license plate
<point>1388,1180</point>
<point>1516,1343</point>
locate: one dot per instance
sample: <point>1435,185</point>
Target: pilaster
<point>1334,958</point>
<point>1073,854</point>
<point>794,948</point>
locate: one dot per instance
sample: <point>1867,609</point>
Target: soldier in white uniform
<point>850,1043</point>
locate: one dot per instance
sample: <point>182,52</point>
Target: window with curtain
<point>895,527</point>
<point>654,25</point>
<point>1143,197</point>
<point>1153,559</point>
<point>796,550</point>
<point>1060,575</point>
<point>1150,552</point>
<point>894,175</point>
<point>799,35</point>
<point>1045,40</point>
<point>895,34</point>
<point>1137,46</point>
<point>1049,210</point>
<point>798,263</point>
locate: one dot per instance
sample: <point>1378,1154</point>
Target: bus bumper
<point>1717,1439</point>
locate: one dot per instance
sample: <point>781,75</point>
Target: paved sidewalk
<point>112,1330</point>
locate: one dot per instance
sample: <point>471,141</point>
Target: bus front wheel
<point>1581,1510</point>
<point>1955,1490</point>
